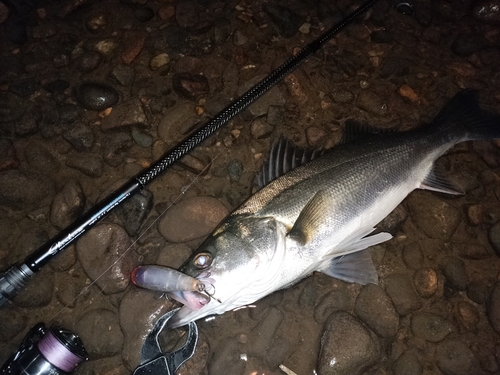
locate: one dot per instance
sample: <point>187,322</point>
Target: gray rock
<point>40,159</point>
<point>28,243</point>
<point>471,250</point>
<point>260,128</point>
<point>143,139</point>
<point>493,307</point>
<point>239,38</point>
<point>37,294</point>
<point>400,289</point>
<point>394,220</point>
<point>89,165</point>
<point>135,211</point>
<point>68,113</point>
<point>431,327</point>
<point>80,136</point>
<point>18,190</point>
<point>435,217</point>
<point>189,85</point>
<point>407,364</point>
<point>478,292</point>
<point>99,330</point>
<point>139,310</point>
<point>455,273</point>
<point>308,295</point>
<point>104,246</point>
<point>342,96</point>
<point>192,218</point>
<point>235,170</point>
<point>347,347</point>
<point>371,102</point>
<point>123,74</point>
<point>487,11</point>
<point>374,307</point>
<point>125,115</point>
<point>453,357</point>
<point>67,205</point>
<point>95,96</point>
<point>226,359</point>
<point>89,61</point>
<point>176,123</point>
<point>266,331</point>
<point>221,30</point>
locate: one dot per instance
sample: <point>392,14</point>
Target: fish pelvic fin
<point>353,268</point>
<point>462,113</point>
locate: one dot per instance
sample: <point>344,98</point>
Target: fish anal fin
<point>310,218</point>
<point>436,181</point>
<point>353,268</point>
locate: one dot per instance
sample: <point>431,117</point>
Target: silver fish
<point>319,216</point>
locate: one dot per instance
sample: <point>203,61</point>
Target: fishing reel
<point>52,351</point>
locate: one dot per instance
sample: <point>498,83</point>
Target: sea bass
<point>320,215</point>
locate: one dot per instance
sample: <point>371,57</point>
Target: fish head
<point>237,265</point>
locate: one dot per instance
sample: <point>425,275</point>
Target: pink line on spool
<point>57,353</point>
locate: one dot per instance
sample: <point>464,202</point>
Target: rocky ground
<point>163,68</point>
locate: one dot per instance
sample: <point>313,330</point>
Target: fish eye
<point>202,260</point>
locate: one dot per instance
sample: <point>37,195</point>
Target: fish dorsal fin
<point>355,130</point>
<point>313,213</point>
<point>353,268</point>
<point>437,181</point>
<point>284,157</point>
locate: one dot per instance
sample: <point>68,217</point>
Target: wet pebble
<point>471,250</point>
<point>64,260</point>
<point>159,61</point>
<point>431,327</point>
<point>90,165</point>
<point>80,136</point>
<point>99,330</point>
<point>221,30</point>
<point>342,96</point>
<point>288,22</point>
<point>494,237</point>
<point>260,128</point>
<point>347,347</point>
<point>453,357</point>
<point>407,364</point>
<point>115,148</point>
<point>138,312</point>
<point>235,170</point>
<point>239,38</point>
<point>19,190</point>
<point>413,256</point>
<point>134,42</point>
<point>28,125</point>
<point>455,272</point>
<point>96,23</point>
<point>133,212</point>
<point>192,218</point>
<point>493,307</point>
<point>425,281</point>
<point>104,246</point>
<point>8,156</point>
<point>67,205</point>
<point>371,102</point>
<point>143,139</point>
<point>29,242</point>
<point>477,292</point>
<point>124,116</point>
<point>374,307</point>
<point>400,289</point>
<point>468,315</point>
<point>198,164</point>
<point>190,85</point>
<point>123,74</point>
<point>40,159</point>
<point>275,115</point>
<point>95,96</point>
<point>316,136</point>
<point>436,218</point>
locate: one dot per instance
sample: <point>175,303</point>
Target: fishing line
<point>183,191</point>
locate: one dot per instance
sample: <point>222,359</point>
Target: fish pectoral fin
<point>436,181</point>
<point>310,218</point>
<point>353,268</point>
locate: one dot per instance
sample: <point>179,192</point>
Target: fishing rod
<point>17,277</point>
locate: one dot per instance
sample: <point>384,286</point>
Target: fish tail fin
<point>463,114</point>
